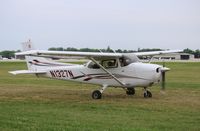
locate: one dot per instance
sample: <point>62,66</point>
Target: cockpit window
<point>124,61</point>
<point>128,59</point>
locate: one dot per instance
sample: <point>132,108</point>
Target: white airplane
<point>106,69</point>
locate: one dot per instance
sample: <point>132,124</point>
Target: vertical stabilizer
<point>36,63</point>
<point>27,45</point>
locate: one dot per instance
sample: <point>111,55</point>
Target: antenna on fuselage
<point>26,46</point>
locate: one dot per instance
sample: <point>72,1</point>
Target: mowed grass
<point>31,103</point>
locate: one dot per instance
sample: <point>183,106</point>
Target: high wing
<point>94,55</point>
<point>156,52</point>
<point>62,54</point>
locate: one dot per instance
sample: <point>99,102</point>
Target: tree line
<point>11,54</point>
<point>8,53</point>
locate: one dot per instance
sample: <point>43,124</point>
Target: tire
<point>130,91</point>
<point>147,94</point>
<point>96,94</point>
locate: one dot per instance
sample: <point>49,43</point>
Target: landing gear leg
<point>147,94</point>
<point>97,94</point>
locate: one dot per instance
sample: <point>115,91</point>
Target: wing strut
<point>115,78</point>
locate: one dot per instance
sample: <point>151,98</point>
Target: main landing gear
<point>97,94</point>
<point>147,94</point>
<point>131,91</point>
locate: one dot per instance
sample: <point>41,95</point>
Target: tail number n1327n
<point>62,73</point>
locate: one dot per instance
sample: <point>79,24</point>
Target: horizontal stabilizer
<point>26,72</point>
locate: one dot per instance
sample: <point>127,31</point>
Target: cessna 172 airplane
<point>106,69</point>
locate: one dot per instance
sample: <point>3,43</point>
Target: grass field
<point>30,103</point>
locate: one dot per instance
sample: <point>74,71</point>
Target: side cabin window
<point>111,63</point>
<point>93,65</point>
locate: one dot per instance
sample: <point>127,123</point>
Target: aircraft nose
<point>160,72</point>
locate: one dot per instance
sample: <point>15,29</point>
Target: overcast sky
<point>121,24</point>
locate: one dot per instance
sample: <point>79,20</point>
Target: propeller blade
<point>163,81</point>
<point>163,70</point>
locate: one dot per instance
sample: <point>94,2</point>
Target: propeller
<point>163,71</point>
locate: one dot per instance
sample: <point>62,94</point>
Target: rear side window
<point>124,61</point>
<point>93,65</point>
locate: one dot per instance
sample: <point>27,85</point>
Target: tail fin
<point>26,46</point>
<point>35,63</point>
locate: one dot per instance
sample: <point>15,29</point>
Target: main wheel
<point>96,94</point>
<point>130,91</point>
<point>147,94</point>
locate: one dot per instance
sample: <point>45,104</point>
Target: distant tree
<point>8,54</point>
<point>52,48</point>
<point>125,51</point>
<point>71,49</point>
<point>188,51</point>
<point>56,49</point>
<point>60,49</point>
<point>131,51</point>
<point>119,51</point>
<point>197,53</point>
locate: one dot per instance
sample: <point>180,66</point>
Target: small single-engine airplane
<point>107,69</point>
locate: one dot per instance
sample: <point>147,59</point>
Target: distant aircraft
<point>106,69</point>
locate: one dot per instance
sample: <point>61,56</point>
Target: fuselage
<point>134,75</point>
<point>106,69</point>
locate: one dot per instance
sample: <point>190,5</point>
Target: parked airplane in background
<point>107,69</point>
